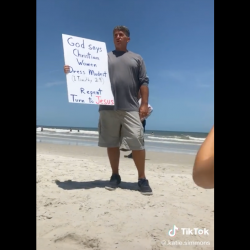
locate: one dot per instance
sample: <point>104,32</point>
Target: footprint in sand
<point>85,241</point>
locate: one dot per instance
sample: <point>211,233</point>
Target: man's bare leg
<point>139,159</point>
<point>114,157</point>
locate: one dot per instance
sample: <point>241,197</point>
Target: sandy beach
<point>75,211</point>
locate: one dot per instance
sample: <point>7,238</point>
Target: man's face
<point>120,39</point>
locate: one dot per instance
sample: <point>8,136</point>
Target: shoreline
<point>82,151</point>
<point>96,129</point>
<point>90,142</point>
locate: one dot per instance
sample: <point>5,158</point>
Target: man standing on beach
<point>128,76</point>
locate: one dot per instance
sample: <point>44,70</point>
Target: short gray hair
<point>122,28</point>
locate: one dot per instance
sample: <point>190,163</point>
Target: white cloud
<point>196,78</point>
<point>203,85</point>
<point>49,72</point>
<point>51,84</point>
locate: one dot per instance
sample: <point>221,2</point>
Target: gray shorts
<point>117,127</point>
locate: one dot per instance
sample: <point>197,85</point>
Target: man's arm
<point>143,110</point>
<point>144,81</point>
<point>149,113</point>
<point>144,94</point>
<point>203,170</point>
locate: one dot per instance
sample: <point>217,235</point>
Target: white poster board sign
<point>88,79</point>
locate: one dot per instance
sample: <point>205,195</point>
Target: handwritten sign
<point>88,79</point>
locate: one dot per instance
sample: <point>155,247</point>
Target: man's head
<point>121,37</point>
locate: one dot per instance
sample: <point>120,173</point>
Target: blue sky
<point>174,37</point>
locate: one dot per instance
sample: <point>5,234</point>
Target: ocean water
<point>155,140</point>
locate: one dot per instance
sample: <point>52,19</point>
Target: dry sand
<point>75,211</point>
